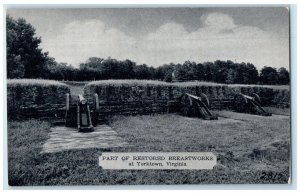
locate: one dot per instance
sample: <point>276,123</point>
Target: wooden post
<point>78,115</point>
<point>89,115</point>
<point>67,101</point>
<point>96,101</point>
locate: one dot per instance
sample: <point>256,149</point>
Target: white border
<point>165,3</point>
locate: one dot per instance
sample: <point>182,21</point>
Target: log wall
<point>35,100</point>
<point>151,98</point>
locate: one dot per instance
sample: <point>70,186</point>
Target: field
<point>247,146</point>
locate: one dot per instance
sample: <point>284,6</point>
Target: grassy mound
<point>35,97</point>
<point>134,82</point>
<point>33,82</point>
<point>156,94</point>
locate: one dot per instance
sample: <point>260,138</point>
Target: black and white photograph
<point>184,95</point>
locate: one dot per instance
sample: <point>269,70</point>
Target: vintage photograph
<point>148,96</point>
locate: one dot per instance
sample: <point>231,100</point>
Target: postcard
<point>148,96</point>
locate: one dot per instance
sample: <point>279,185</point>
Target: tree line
<point>26,60</point>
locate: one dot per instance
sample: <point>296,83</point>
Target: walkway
<point>64,138</point>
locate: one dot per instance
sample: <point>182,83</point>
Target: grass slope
<point>133,82</point>
<point>38,82</point>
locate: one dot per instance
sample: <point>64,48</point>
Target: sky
<point>157,36</point>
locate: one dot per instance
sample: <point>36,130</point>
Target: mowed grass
<point>233,140</point>
<point>241,134</point>
<point>173,132</point>
<point>279,111</point>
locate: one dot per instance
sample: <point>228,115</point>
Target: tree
<point>142,72</point>
<point>252,73</point>
<point>231,74</point>
<point>169,76</point>
<point>208,72</point>
<point>51,69</point>
<point>181,72</point>
<point>283,76</point>
<point>199,72</point>
<point>161,72</point>
<point>128,69</point>
<point>220,71</point>
<point>241,74</point>
<point>15,69</point>
<point>268,75</point>
<point>24,57</point>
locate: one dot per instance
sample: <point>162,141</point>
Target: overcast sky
<point>160,36</point>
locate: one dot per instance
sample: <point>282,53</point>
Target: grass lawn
<point>247,146</point>
<point>280,111</point>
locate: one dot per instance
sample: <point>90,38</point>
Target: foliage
<point>219,71</point>
<point>268,75</point>
<point>24,57</point>
<point>283,76</point>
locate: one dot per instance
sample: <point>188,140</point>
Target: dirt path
<point>76,87</point>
